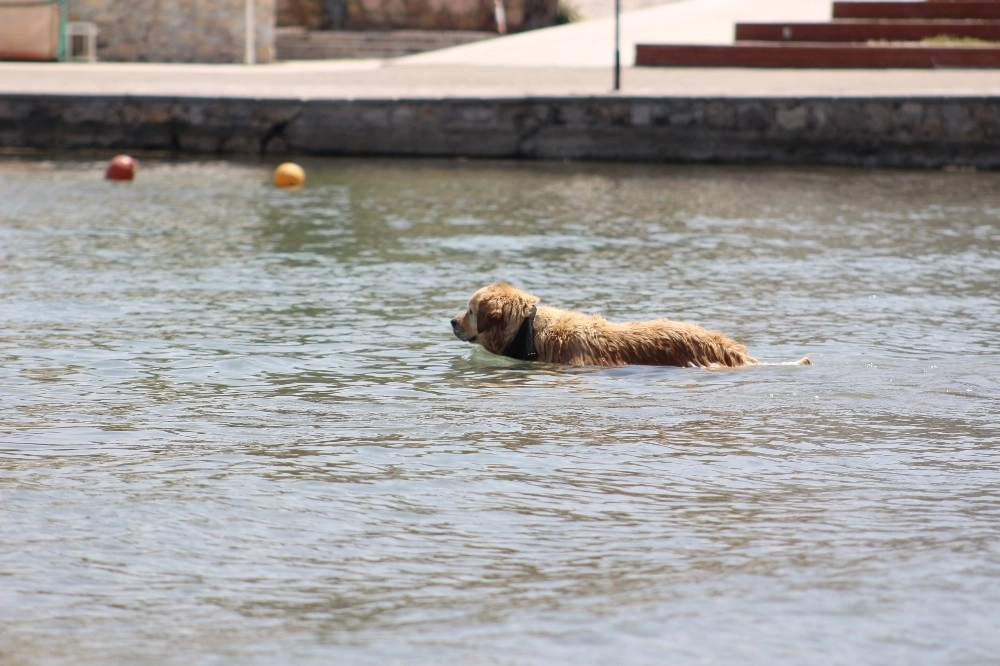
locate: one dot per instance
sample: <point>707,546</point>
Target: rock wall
<point>312,14</point>
<point>205,31</point>
<point>931,132</point>
<point>415,14</point>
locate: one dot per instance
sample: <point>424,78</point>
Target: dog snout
<point>460,332</point>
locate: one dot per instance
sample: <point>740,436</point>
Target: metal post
<point>62,52</point>
<point>250,21</point>
<point>618,63</point>
<point>500,14</point>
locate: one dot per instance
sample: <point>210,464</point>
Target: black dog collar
<point>522,347</point>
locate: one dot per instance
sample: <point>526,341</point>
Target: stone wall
<point>415,14</point>
<point>929,132</point>
<point>204,31</point>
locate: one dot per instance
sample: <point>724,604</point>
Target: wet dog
<point>506,320</point>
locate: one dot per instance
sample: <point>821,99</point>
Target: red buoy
<point>121,167</point>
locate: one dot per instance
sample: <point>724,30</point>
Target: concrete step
<point>936,9</point>
<point>864,30</point>
<point>302,44</point>
<point>818,55</point>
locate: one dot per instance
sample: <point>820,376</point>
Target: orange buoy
<point>289,174</point>
<point>121,167</point>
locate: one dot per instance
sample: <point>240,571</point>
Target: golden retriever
<point>506,320</point>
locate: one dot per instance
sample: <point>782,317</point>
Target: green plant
<point>567,13</point>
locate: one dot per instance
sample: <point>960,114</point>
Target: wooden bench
<point>850,30</point>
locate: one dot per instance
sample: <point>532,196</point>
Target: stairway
<point>302,44</point>
<point>861,34</point>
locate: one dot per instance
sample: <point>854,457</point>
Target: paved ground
<point>351,80</point>
<point>575,59</point>
<point>586,10</point>
<point>591,43</point>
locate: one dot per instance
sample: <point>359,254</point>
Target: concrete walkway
<point>571,60</point>
<point>349,80</point>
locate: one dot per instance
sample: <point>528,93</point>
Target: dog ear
<point>489,314</point>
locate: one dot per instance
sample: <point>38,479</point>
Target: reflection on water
<point>236,427</point>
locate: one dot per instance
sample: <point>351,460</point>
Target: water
<point>235,427</point>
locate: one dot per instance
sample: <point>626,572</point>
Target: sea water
<point>235,426</point>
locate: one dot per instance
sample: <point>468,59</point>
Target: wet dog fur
<point>497,314</point>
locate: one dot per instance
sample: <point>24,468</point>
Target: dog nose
<point>456,328</point>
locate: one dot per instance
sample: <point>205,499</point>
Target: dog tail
<point>802,361</point>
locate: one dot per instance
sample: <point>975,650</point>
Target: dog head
<point>494,315</point>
